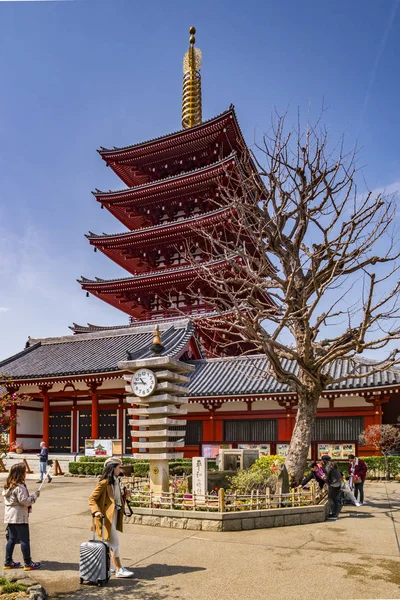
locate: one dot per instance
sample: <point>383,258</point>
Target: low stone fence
<point>230,521</point>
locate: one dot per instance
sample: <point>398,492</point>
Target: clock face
<point>143,383</point>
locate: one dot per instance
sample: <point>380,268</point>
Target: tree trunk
<point>301,438</point>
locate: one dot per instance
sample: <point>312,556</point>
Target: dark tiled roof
<point>246,375</point>
<point>94,352</point>
<point>90,328</point>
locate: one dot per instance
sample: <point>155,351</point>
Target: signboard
<point>336,451</point>
<point>212,450</point>
<point>264,449</point>
<point>103,447</point>
<point>199,475</point>
<point>283,449</point>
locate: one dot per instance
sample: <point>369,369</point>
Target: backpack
<point>334,476</point>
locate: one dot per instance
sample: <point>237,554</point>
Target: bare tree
<point>301,268</point>
<point>384,438</point>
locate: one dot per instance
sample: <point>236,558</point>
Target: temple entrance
<point>60,432</point>
<point>108,424</point>
<point>85,428</point>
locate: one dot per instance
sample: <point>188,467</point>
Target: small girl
<point>17,506</point>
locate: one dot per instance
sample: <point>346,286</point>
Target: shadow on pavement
<point>140,585</point>
<point>151,572</point>
<point>52,565</point>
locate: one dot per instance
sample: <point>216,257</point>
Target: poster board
<point>103,447</point>
<point>212,450</point>
<point>336,451</point>
<point>283,449</point>
<point>264,449</point>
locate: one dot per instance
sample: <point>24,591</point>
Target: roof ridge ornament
<point>191,96</point>
<point>157,346</point>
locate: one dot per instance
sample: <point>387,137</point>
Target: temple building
<point>172,186</point>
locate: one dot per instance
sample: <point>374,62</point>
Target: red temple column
<point>95,409</point>
<point>13,414</point>
<point>13,428</point>
<point>46,414</point>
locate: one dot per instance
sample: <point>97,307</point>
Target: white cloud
<point>4,309</point>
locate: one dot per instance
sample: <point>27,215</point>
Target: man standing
<point>44,457</point>
<point>333,478</point>
<point>358,472</point>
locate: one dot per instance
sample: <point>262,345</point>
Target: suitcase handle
<point>94,527</point>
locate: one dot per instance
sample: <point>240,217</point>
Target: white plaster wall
<point>346,401</point>
<point>323,403</point>
<point>266,405</point>
<point>233,407</point>
<point>30,443</point>
<point>196,408</point>
<point>29,421</point>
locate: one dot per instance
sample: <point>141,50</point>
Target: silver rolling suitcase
<point>94,560</point>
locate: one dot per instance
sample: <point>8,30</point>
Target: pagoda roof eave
<point>115,153</point>
<point>164,184</point>
<point>145,232</point>
<point>153,277</point>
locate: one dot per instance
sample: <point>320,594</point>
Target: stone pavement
<point>356,557</point>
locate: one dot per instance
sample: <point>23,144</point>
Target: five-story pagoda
<point>172,197</point>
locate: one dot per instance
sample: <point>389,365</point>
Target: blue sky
<point>76,75</point>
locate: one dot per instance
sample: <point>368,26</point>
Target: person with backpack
<point>17,507</point>
<point>333,479</point>
<point>358,472</point>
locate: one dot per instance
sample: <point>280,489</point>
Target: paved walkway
<point>356,557</point>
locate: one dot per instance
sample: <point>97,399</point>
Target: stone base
<point>159,476</point>
<point>232,521</point>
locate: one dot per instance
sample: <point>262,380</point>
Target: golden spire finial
<point>157,345</point>
<point>191,98</point>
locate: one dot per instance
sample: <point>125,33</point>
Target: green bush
<point>376,465</point>
<point>262,474</point>
<point>141,469</point>
<point>73,468</point>
<point>10,587</point>
<point>86,459</point>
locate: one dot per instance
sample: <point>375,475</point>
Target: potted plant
<point>17,447</point>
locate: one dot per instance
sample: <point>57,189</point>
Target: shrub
<point>86,459</point>
<point>141,469</point>
<point>262,474</point>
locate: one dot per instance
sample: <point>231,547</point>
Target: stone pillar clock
<point>157,384</point>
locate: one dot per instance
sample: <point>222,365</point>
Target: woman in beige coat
<point>17,506</point>
<point>107,500</point>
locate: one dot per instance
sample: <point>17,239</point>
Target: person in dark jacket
<point>316,473</point>
<point>43,458</point>
<point>333,479</point>
<point>358,472</point>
